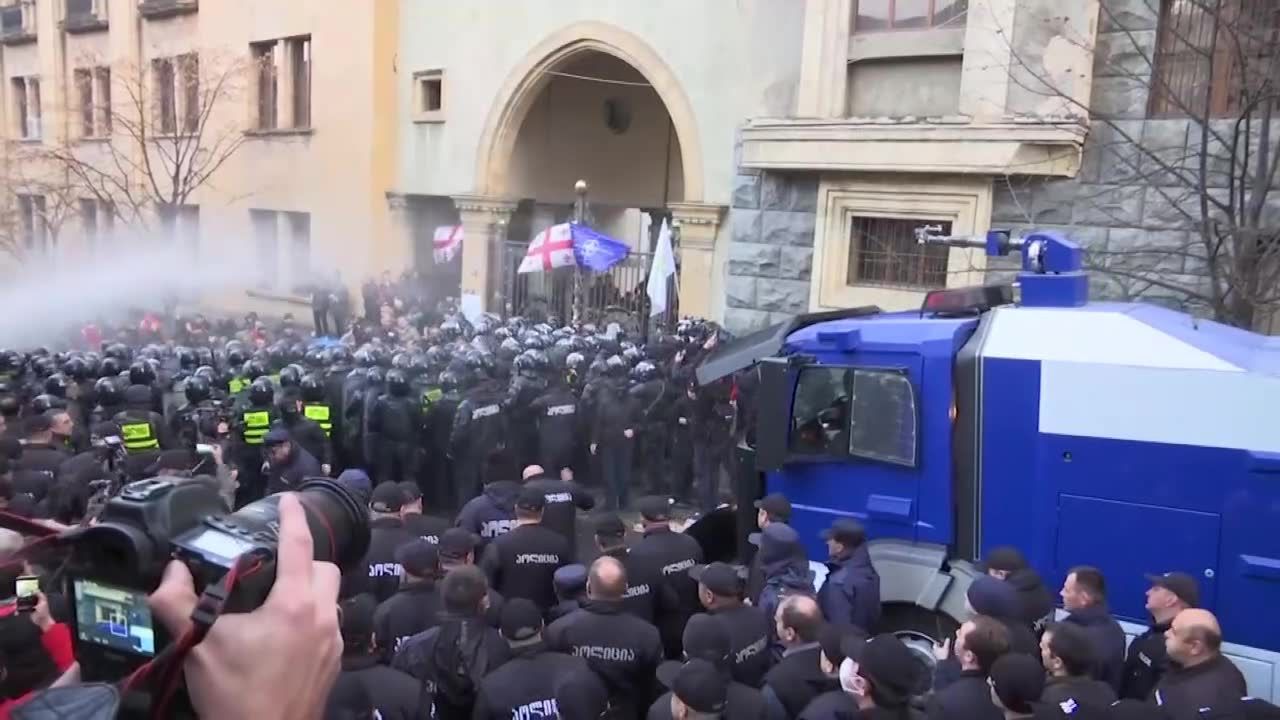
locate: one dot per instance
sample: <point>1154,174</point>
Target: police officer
<point>570,583</point>
<point>352,405</point>
<point>419,525</point>
<point>526,685</point>
<point>528,382</point>
<point>415,606</point>
<point>458,549</point>
<point>523,562</point>
<point>304,431</point>
<point>613,423</point>
<point>706,639</point>
<point>142,430</point>
<point>673,554</point>
<point>564,499</point>
<point>253,422</point>
<point>555,413</point>
<point>851,593</point>
<point>720,591</point>
<point>621,648</point>
<point>397,423</point>
<point>440,487</point>
<point>492,513</point>
<point>285,463</point>
<point>649,596</point>
<point>1147,662</point>
<point>394,693</point>
<point>110,400</point>
<point>648,394</point>
<point>386,534</point>
<point>712,439</point>
<point>315,404</point>
<point>370,441</point>
<point>478,441</point>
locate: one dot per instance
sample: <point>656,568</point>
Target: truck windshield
<point>863,412</point>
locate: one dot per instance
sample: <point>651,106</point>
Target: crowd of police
<point>475,446</point>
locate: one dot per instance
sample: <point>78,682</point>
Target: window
<point>428,94</point>
<point>300,64</point>
<point>884,251</point>
<point>84,96</point>
<point>102,81</point>
<point>25,92</point>
<point>1197,69</point>
<point>93,95</point>
<point>299,249</point>
<point>266,242</point>
<point>189,81</point>
<point>31,219</point>
<point>864,412</point>
<point>264,58</point>
<point>166,104</point>
<point>884,15</point>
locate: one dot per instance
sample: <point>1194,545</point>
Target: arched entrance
<point>591,102</point>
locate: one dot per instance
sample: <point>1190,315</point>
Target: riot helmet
<point>615,366</point>
<point>108,392</point>
<point>290,376</point>
<point>312,388</point>
<point>261,392</point>
<point>141,373</point>
<point>197,389</point>
<point>644,371</point>
<point>76,368</point>
<point>56,385</point>
<point>397,383</point>
<point>448,382</point>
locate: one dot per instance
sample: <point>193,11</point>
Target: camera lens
<point>338,523</point>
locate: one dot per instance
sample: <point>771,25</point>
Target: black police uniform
<point>427,527</point>
<point>749,630</point>
<point>649,398</point>
<point>526,685</point>
<point>525,387</point>
<point>433,657</point>
<point>397,423</point>
<point>253,422</point>
<point>492,513</point>
<point>621,648</point>
<point>559,426</point>
<point>394,694</point>
<point>522,563</point>
<point>560,514</point>
<point>798,678</point>
<point>612,414</point>
<point>649,595</point>
<point>370,440</point>
<point>672,554</point>
<point>352,418</point>
<point>1146,663</point>
<point>969,696</point>
<point>480,429</point>
<point>440,487</point>
<point>414,608</point>
<point>385,535</point>
<point>1089,696</point>
<point>1216,682</point>
<point>742,702</point>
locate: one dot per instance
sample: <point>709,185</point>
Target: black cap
<point>654,507</point>
<point>387,498</point>
<point>521,620</point>
<point>776,506</point>
<point>720,578</point>
<point>892,668</point>
<point>531,499</point>
<point>570,580</point>
<point>846,531</point>
<point>37,423</point>
<point>455,543</point>
<point>1005,557</point>
<point>1180,584</point>
<point>697,683</point>
<point>419,558</point>
<point>837,640</point>
<point>357,620</point>
<point>277,436</point>
<point>610,525</point>
<point>410,490</point>
<point>779,542</point>
<point>1018,680</point>
<point>706,638</point>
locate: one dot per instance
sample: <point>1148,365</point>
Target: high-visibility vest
<point>236,384</point>
<point>256,425</point>
<point>319,413</point>
<point>138,437</point>
<point>430,397</point>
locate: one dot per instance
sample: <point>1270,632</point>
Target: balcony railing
<point>14,28</point>
<point>84,16</point>
<point>160,9</point>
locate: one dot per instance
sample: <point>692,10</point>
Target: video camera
<point>117,562</point>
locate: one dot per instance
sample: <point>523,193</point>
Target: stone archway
<point>530,77</point>
<point>488,210</point>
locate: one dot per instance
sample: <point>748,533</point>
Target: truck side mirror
<point>773,415</point>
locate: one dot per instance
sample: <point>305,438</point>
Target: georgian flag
<point>550,249</point>
<point>447,242</point>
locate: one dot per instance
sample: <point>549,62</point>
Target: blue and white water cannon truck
<point>1125,436</point>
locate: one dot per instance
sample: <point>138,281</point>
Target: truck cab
<point>1128,437</point>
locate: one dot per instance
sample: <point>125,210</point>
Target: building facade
<point>267,127</point>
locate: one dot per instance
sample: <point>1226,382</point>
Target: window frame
<point>164,76</point>
<point>919,258</point>
<point>892,18</point>
<point>299,53</point>
<point>845,450</point>
<point>421,79</point>
<point>266,75</point>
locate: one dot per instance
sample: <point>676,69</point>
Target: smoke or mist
<point>43,301</point>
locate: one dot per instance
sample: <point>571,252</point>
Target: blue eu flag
<point>595,251</point>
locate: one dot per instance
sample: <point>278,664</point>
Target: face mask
<point>850,681</point>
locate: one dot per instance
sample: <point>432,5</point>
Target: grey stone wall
<point>1122,206</point>
<point>771,222</point>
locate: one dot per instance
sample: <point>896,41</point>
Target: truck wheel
<point>919,629</point>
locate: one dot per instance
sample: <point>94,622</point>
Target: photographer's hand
<point>277,662</point>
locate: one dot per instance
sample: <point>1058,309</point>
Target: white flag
<point>550,249</point>
<point>663,267</point>
<point>446,243</point>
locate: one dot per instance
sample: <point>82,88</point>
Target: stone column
<point>824,59</point>
<point>699,223</point>
<point>480,216</point>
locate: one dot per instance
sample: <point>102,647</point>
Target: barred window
<point>884,251</point>
<point>1214,58</point>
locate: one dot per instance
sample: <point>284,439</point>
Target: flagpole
<point>579,216</point>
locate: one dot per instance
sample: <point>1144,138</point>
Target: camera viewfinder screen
<point>114,617</point>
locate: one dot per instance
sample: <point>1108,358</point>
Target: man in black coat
<point>416,605</point>
<point>1147,660</point>
<point>672,554</point>
<point>531,682</point>
<point>394,693</point>
<point>622,649</point>
<point>564,499</point>
<point>979,643</point>
<point>705,638</point>
<point>1066,651</point>
<point>287,463</point>
<point>305,432</point>
<point>1084,595</point>
<point>1200,676</point>
<point>386,534</point>
<point>649,595</point>
<point>720,591</point>
<point>523,562</point>
<point>798,677</point>
<point>427,527</point>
